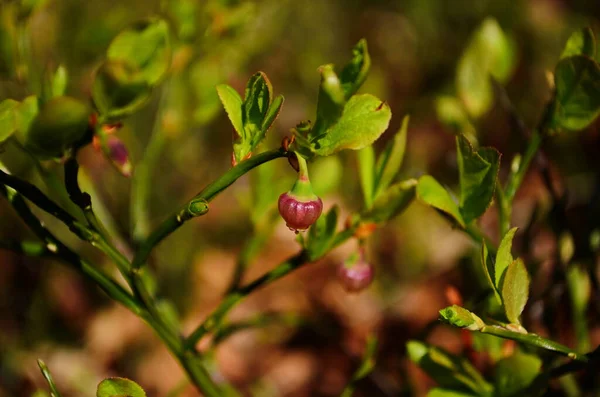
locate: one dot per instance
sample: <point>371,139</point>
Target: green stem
<point>141,182</point>
<point>189,210</point>
<point>533,340</point>
<point>517,177</point>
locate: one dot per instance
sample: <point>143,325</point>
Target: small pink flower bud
<point>355,274</point>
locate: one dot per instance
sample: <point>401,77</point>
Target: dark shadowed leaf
<point>577,102</point>
<point>515,373</point>
<point>478,171</point>
<point>322,233</point>
<point>390,160</point>
<point>355,72</point>
<point>7,118</point>
<point>330,103</point>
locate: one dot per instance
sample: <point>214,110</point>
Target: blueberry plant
<point>50,127</point>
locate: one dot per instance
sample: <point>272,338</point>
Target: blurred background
<point>313,334</point>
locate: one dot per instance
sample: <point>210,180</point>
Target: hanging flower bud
<point>300,207</point>
<point>115,151</point>
<point>355,273</point>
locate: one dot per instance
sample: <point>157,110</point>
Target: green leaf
<point>363,120</point>
<point>119,387</point>
<point>25,113</point>
<point>514,374</point>
<point>366,171</point>
<point>53,389</point>
<point>577,101</point>
<point>355,72</point>
<point>489,271</point>
<point>392,202</point>
<point>322,233</point>
<point>330,103</point>
<point>489,53</point>
<point>460,317</point>
<point>59,81</point>
<point>451,112</point>
<point>515,290</point>
<point>390,160</point>
<point>448,370</point>
<point>257,100</point>
<point>7,118</point>
<point>503,258</point>
<point>232,102</point>
<point>146,45</point>
<point>119,90</point>
<point>581,42</point>
<point>437,392</point>
<point>270,116</point>
<point>433,194</point>
<point>478,171</point>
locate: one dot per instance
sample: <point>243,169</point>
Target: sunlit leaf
<point>503,257</point>
<point>363,120</point>
<point>119,387</point>
<point>582,42</point>
<point>433,194</point>
<point>7,118</point>
<point>232,102</point>
<point>515,290</point>
<point>489,54</point>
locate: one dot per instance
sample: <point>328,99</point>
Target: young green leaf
<point>514,374</point>
<point>392,202</point>
<point>53,389</point>
<point>503,257</point>
<point>119,90</point>
<point>330,103</point>
<point>460,317</point>
<point>478,171</point>
<point>577,101</point>
<point>390,160</point>
<point>433,194</point>
<point>366,171</point>
<point>7,118</point>
<point>119,387</point>
<point>489,53</point>
<point>363,120</point>
<point>581,42</point>
<point>515,290</point>
<point>232,102</point>
<point>146,45</point>
<point>452,113</point>
<point>355,72</point>
<point>448,370</point>
<point>25,113</point>
<point>488,270</point>
<point>257,99</point>
<point>270,116</point>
